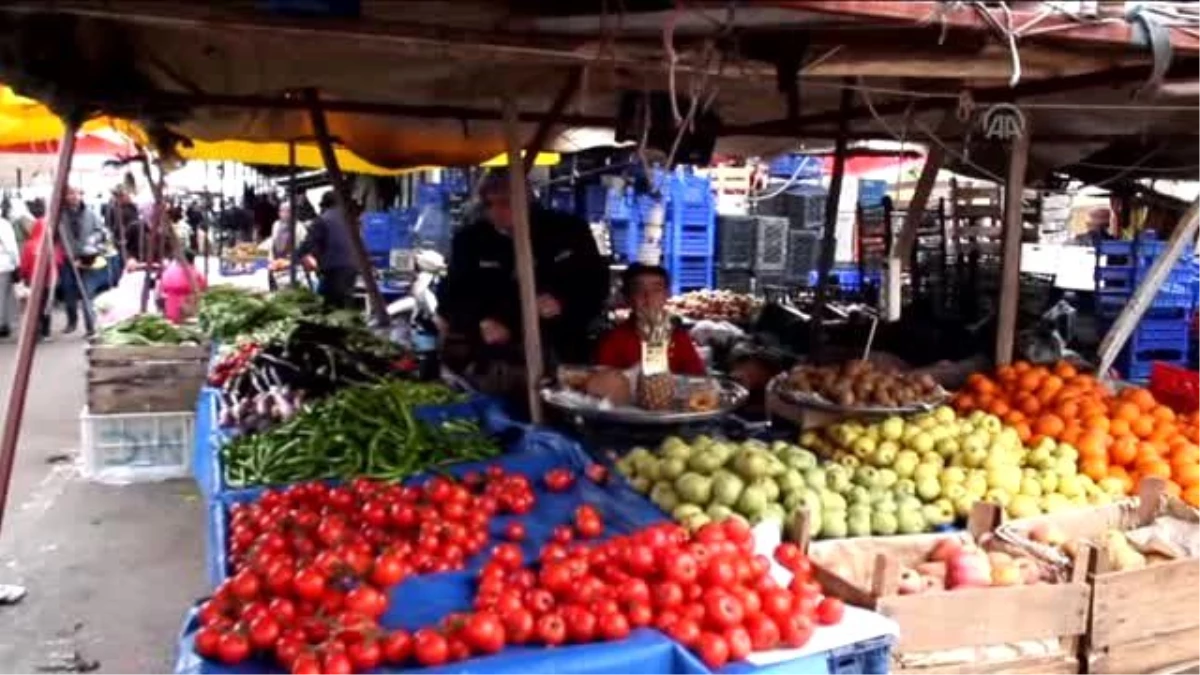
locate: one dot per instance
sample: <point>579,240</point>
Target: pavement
<point>110,570</point>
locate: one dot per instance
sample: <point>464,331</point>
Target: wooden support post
<point>552,116</point>
<point>349,213</point>
<point>30,322</point>
<point>1010,263</point>
<point>901,251</point>
<point>1183,238</point>
<point>530,324</point>
<point>829,239</point>
<point>292,212</point>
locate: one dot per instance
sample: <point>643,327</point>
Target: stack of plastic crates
<point>387,234</point>
<point>1163,333</point>
<point>593,207</point>
<point>624,223</point>
<point>690,232</point>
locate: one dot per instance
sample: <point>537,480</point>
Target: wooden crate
<point>140,379</point>
<point>945,621</point>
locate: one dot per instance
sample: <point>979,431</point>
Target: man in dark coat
<point>327,248</point>
<point>479,298</point>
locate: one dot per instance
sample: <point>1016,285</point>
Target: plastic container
<point>229,268</point>
<point>809,167</point>
<point>736,238</point>
<point>136,448</point>
<point>624,237</point>
<point>803,252</point>
<point>1175,386</point>
<point>594,198</point>
<point>770,245</point>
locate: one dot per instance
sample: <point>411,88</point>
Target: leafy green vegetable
<point>149,329</point>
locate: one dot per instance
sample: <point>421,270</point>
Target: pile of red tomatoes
<point>312,565</point>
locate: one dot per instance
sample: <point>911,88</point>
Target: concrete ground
<point>110,570</point>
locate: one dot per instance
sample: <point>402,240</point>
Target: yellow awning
<point>24,120</point>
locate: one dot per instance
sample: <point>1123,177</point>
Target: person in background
<point>479,302</point>
<point>279,245</point>
<point>180,287</point>
<point>1098,228</point>
<point>10,258</point>
<point>646,289</point>
<point>83,233</point>
<point>326,248</point>
<point>29,256</point>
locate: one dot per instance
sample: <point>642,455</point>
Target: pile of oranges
<point>1126,436</point>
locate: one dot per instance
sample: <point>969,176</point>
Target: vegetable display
<point>313,564</point>
<point>265,382</point>
<point>360,431</point>
<point>226,313</point>
<point>149,329</point>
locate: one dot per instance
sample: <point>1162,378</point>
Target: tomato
<point>776,603</point>
<point>211,611</point>
<point>508,556</point>
<point>518,625</point>
<point>367,600</point>
<point>686,632</point>
<point>457,650</point>
<point>515,531</point>
<point>830,611</point>
<point>750,599</point>
<point>739,643</point>
<point>556,578</point>
<point>551,630</point>
<point>539,601</point>
<point>309,584</point>
<point>581,624</point>
<point>680,567</point>
<point>738,531</point>
<point>397,647</point>
<point>640,560</point>
<point>264,631</point>
<point>722,609</point>
<point>613,626</point>
<point>562,534</point>
<point>713,650</point>
<point>245,585</point>
<point>787,554</point>
<point>764,632</point>
<point>667,595</point>
<point>796,631</point>
<point>760,567</point>
<point>719,572</point>
<point>639,614</point>
<point>331,530</point>
<point>287,649</point>
<point>388,570</point>
<point>365,655</point>
<point>710,533</point>
<point>597,473</point>
<point>484,633</point>
<point>558,480</point>
<point>207,642</point>
<point>374,513</point>
<point>588,522</point>
<point>306,664</point>
<point>336,663</point>
<point>430,648</point>
<point>232,648</point>
<point>279,579</point>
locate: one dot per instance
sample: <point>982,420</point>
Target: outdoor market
<point>635,337</point>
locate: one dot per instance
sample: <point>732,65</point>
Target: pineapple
<point>656,386</point>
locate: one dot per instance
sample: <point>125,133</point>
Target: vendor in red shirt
<point>645,288</point>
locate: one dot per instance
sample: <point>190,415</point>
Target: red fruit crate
<point>1175,386</point>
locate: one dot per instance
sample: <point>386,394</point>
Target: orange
<point>1006,374</point>
<point>1016,416</point>
<point>1173,489</point>
<point>1023,431</point>
<point>1163,413</point>
<point>1068,410</point>
<point>1094,468</point>
<point>1127,410</point>
<point>1186,474</point>
<point>1021,366</point>
<point>1065,370</point>
<point>1142,426</point>
<point>1186,453</point>
<point>1028,404</point>
<point>1030,381</point>
<point>1119,427</point>
<point>1093,443</point>
<point>1123,450</point>
<point>1140,397</point>
<point>1051,385</point>
<point>1092,408</point>
<point>1156,467</point>
<point>980,383</point>
<point>1191,495</point>
<point>963,402</point>
<point>1071,434</point>
<point>1097,423</point>
<point>1049,425</point>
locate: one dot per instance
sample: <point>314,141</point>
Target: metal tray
<point>818,402</point>
<point>580,405</point>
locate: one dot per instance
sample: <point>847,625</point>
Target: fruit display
<point>861,383</point>
<point>655,390</point>
<point>313,565</point>
<point>663,392</point>
<point>714,305</point>
<point>909,475</point>
<point>710,480</point>
<point>1121,437</point>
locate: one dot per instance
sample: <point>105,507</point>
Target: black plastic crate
<point>803,252</point>
<point>770,244</point>
<point>736,236</point>
<point>736,280</point>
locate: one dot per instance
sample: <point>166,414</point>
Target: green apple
<point>892,428</point>
<point>858,494</point>
<point>865,476</point>
<point>906,462</point>
<point>1030,485</point>
<point>905,487</point>
<point>944,414</point>
<point>1069,486</point>
<point>815,478</point>
<point>850,461</point>
<point>884,523</point>
<point>976,484</point>
<point>863,447</point>
<point>884,455</point>
<point>1066,451</point>
<point>934,459</point>
<point>886,478</point>
<point>1065,467</point>
<point>925,472</point>
<point>837,478</point>
<point>954,491</point>
<point>1054,503</point>
<point>962,507</point>
<point>833,526</point>
<point>947,447</point>
<point>998,496</point>
<point>923,442</point>
<point>859,525</point>
<point>832,501</point>
<point>911,521</point>
<point>929,489</point>
<point>953,474</point>
<point>1049,480</point>
<point>1023,506</point>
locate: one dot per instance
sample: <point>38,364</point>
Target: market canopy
<point>419,83</point>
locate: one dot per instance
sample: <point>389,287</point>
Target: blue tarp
<point>424,600</point>
<point>206,456</point>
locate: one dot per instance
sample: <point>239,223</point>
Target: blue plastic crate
<point>379,231</point>
<point>810,166</point>
<point>594,198</point>
<point>688,243</point>
<point>1114,278</point>
<point>229,268</point>
<point>690,274</point>
<point>456,181</point>
<point>618,205</point>
<point>432,194</point>
<point>625,238</point>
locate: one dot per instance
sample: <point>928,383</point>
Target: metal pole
<point>349,213</point>
<point>829,239</point>
<point>530,323</point>
<point>30,322</point>
<point>292,212</point>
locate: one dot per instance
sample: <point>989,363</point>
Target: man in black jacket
<point>479,298</point>
<point>332,256</point>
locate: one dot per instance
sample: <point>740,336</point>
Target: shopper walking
<point>10,258</point>
<point>82,231</point>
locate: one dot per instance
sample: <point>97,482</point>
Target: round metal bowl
<point>580,405</point>
<point>818,402</point>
